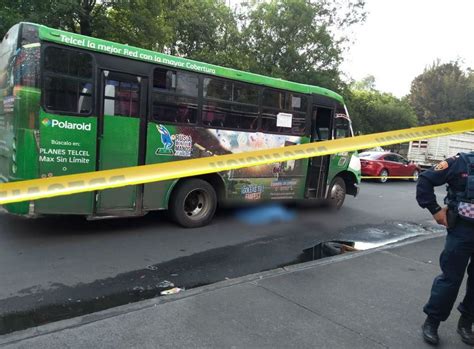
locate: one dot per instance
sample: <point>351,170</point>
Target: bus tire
<point>193,203</point>
<point>337,193</point>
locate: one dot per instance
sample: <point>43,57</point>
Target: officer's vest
<point>465,200</point>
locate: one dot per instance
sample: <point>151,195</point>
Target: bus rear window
<point>65,95</point>
<point>61,61</point>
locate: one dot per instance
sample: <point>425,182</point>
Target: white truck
<point>429,152</point>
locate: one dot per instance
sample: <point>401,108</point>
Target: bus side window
<point>175,96</point>
<point>68,81</point>
<point>229,104</point>
<point>274,102</point>
<point>342,128</point>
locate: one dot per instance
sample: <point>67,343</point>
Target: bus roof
<point>113,48</point>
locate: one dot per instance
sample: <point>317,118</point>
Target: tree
<point>207,30</point>
<point>10,14</point>
<point>297,40</point>
<point>204,30</point>
<point>443,92</point>
<point>374,111</point>
<point>79,16</point>
<point>366,84</point>
<point>141,23</point>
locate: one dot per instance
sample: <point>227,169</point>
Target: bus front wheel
<point>337,193</point>
<point>193,203</point>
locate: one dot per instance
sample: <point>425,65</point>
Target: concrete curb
<point>252,278</point>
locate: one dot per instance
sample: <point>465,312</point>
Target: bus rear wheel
<point>337,193</point>
<point>193,203</point>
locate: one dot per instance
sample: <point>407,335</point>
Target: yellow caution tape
<point>388,177</point>
<point>98,180</point>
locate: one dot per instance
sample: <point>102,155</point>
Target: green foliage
<point>442,93</point>
<point>374,111</point>
<point>366,84</point>
<point>141,23</point>
<point>296,39</point>
<point>206,30</point>
<point>79,16</point>
<point>10,14</point>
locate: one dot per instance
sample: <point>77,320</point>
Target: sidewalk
<point>370,299</point>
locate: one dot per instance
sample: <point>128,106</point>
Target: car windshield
<point>369,155</point>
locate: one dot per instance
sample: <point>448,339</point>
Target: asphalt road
<point>66,266</point>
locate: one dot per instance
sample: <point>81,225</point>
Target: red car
<point>385,164</point>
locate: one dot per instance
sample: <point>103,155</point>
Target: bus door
<point>122,125</point>
<point>321,126</point>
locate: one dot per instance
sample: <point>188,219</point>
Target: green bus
<point>73,104</point>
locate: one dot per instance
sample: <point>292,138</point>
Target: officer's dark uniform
<point>457,172</point>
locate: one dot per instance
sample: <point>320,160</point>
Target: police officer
<point>458,218</point>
